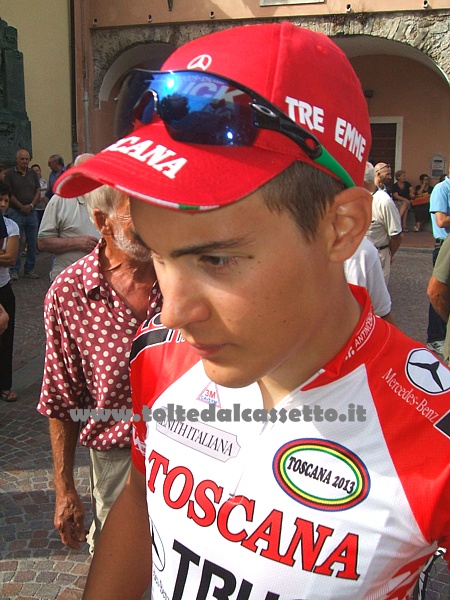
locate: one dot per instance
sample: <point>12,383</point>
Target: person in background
<point>383,177</point>
<point>67,230</point>
<point>402,194</point>
<point>421,202</point>
<point>40,206</point>
<point>438,291</point>
<point>250,202</point>
<point>4,319</point>
<point>56,166</point>
<point>364,268</point>
<point>3,170</point>
<point>3,230</point>
<point>440,222</point>
<point>25,194</point>
<point>8,256</point>
<point>385,230</point>
<point>91,312</point>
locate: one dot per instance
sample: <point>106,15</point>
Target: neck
<point>320,345</point>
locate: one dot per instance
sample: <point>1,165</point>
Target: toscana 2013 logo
<point>321,474</point>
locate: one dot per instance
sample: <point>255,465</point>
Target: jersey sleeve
<point>412,402</point>
<point>159,356</point>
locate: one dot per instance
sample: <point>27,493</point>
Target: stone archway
<point>421,36</point>
<point>145,56</point>
<point>423,31</point>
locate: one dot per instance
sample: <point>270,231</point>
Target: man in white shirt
<point>385,231</point>
<point>67,230</point>
<point>364,268</point>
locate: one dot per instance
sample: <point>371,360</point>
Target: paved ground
<point>33,562</point>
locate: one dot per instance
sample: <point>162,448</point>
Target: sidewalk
<point>33,562</point>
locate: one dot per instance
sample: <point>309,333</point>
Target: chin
<point>231,377</point>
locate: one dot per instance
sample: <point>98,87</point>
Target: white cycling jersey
<point>342,493</point>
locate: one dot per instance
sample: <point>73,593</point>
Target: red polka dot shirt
<point>89,332</point>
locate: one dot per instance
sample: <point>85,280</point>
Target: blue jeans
<point>29,225</point>
<point>437,327</point>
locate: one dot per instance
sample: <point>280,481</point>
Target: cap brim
<point>151,166</point>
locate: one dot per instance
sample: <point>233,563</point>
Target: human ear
<point>351,214</point>
<point>101,221</point>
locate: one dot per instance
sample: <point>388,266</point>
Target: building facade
<point>400,52</point>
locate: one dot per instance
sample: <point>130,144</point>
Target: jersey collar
<point>368,337</point>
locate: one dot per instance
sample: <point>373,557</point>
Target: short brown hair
<point>305,192</point>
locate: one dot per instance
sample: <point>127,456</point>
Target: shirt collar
<point>93,279</point>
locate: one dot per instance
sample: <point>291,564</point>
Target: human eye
<point>219,261</point>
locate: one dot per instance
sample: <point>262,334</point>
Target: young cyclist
<point>287,443</point>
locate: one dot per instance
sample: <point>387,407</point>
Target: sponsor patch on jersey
<point>158,553</point>
<point>200,436</point>
<point>444,424</point>
<point>210,394</point>
<point>321,474</point>
<point>427,373</point>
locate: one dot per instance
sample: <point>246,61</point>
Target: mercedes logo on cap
<point>200,62</point>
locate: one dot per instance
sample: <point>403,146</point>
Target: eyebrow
<point>197,249</point>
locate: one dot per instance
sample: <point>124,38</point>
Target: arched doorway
<point>142,56</point>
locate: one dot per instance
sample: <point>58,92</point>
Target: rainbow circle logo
<point>321,474</point>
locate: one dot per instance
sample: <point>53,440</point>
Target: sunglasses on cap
<point>205,108</point>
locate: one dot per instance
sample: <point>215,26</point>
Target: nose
<point>184,300</point>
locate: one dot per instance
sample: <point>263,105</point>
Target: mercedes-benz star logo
<point>200,62</point>
<point>158,554</point>
<point>427,373</point>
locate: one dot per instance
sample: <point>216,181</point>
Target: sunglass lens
<point>133,86</point>
<point>198,108</point>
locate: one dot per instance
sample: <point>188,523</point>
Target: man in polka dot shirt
<point>92,311</point>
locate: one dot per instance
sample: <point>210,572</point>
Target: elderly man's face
<point>22,159</point>
<point>121,226</point>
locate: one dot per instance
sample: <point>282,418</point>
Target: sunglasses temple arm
<point>327,161</point>
<point>324,158</point>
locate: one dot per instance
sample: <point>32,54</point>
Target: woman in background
<point>421,201</point>
<point>8,256</point>
<point>41,205</point>
<point>402,193</point>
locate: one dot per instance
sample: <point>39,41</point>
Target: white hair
<point>369,173</point>
<point>105,198</point>
<point>81,158</point>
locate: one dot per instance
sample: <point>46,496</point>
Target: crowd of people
<point>246,321</point>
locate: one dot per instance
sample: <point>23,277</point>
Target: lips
<point>205,350</point>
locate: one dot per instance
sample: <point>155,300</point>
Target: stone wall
<point>428,32</point>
